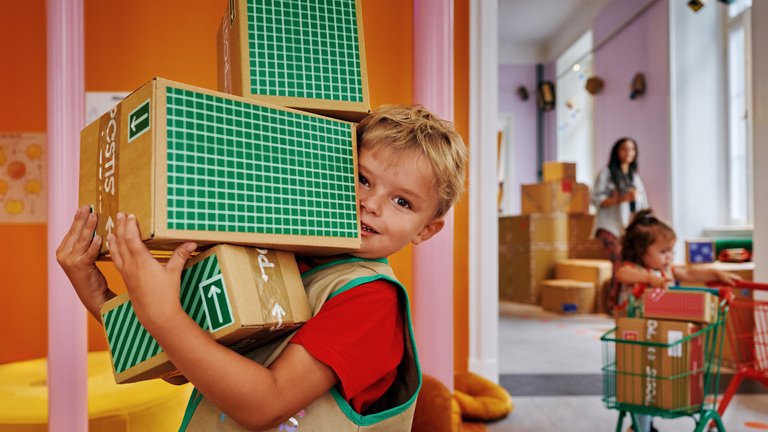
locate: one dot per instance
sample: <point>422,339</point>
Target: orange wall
<point>22,246</point>
<point>128,43</point>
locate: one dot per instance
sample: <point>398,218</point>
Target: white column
<point>433,260</point>
<point>483,185</point>
<point>67,332</point>
<point>760,137</point>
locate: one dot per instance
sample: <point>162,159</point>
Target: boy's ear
<point>429,230</point>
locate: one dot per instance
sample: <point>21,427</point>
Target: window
<point>739,121</point>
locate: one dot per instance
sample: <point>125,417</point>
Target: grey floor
<point>550,364</point>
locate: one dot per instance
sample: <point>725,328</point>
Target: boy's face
<point>659,255</point>
<point>398,201</point>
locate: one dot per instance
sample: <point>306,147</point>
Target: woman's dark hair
<point>641,233</point>
<point>614,165</point>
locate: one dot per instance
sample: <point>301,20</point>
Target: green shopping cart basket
<point>665,369</point>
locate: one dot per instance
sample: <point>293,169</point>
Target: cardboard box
<point>580,226</point>
<point>588,249</point>
<point>243,296</point>
<point>554,171</point>
<point>681,378</point>
<point>700,251</point>
<point>555,196</point>
<point>304,55</point>
<point>636,365</point>
<point>597,272</point>
<point>529,247</point>
<point>194,164</point>
<point>567,296</point>
<point>665,373</point>
<point>681,305</point>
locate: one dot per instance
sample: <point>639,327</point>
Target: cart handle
<point>756,286</point>
<point>723,292</point>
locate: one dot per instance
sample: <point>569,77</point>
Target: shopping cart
<point>670,379</point>
<point>747,342</point>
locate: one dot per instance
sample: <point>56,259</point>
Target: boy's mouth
<point>367,229</point>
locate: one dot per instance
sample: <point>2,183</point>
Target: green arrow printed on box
<point>138,121</point>
<point>216,302</point>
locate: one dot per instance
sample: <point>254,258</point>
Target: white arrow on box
<point>278,312</point>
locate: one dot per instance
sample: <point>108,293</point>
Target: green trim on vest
<point>194,400</point>
<point>351,259</point>
<point>368,420</point>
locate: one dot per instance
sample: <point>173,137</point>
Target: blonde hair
<point>414,128</point>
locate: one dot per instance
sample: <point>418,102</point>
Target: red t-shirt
<point>359,334</point>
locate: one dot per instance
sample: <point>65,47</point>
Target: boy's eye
<point>363,180</point>
<point>402,202</point>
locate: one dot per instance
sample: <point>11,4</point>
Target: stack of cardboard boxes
<point>555,225</point>
<point>666,369</point>
<point>271,163</point>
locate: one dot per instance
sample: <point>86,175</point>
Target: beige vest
<point>393,412</point>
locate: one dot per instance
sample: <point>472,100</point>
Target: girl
<point>647,252</point>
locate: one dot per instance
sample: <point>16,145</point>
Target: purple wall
<point>640,47</point>
<point>523,127</point>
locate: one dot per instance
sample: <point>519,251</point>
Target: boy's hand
<point>77,257</point>
<point>153,287</point>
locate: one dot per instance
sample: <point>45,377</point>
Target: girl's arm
<point>630,274</point>
<point>704,275</point>
<point>252,395</point>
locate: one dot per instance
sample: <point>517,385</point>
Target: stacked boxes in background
<point>529,247</point>
<point>598,272</point>
<point>555,225</point>
<point>259,165</point>
<point>243,296</point>
<point>567,296</point>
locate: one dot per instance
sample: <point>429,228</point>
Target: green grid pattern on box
<point>304,49</point>
<point>240,167</point>
<point>130,343</point>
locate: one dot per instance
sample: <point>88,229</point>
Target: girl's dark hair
<point>614,164</point>
<point>641,233</point>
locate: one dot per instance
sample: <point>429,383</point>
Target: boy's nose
<point>370,202</point>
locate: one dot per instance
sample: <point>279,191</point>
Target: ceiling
<point>540,30</point>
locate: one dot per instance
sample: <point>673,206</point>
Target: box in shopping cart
<point>636,364</point>
<point>681,305</point>
<point>680,384</point>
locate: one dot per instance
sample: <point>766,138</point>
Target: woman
<point>618,193</point>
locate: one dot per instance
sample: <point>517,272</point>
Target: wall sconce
<point>545,96</point>
<point>695,5</point>
<point>522,93</point>
<point>594,85</point>
<point>637,87</point>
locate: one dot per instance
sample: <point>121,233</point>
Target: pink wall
<point>640,47</point>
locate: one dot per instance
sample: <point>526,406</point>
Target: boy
<point>353,365</point>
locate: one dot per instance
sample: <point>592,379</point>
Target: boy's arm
<point>630,274</point>
<point>252,395</point>
<point>77,257</point>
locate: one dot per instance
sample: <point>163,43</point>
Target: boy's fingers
<point>180,256</point>
<point>117,257</point>
<point>69,237</point>
<point>85,235</point>
<point>93,248</point>
<point>132,239</point>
